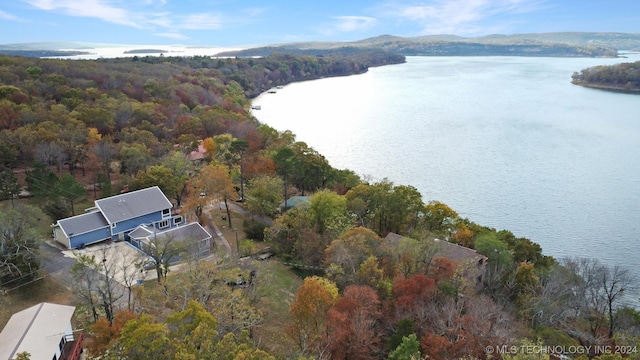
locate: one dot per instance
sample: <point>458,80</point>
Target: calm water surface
<point>508,142</point>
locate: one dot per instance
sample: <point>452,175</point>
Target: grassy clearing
<point>277,294</point>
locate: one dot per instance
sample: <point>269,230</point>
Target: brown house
<point>470,264</point>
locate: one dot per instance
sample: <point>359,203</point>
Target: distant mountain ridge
<point>565,44</point>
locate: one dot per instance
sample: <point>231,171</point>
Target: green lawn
<point>277,295</point>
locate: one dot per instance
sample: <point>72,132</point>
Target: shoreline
<point>605,87</point>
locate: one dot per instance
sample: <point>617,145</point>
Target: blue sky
<point>248,22</point>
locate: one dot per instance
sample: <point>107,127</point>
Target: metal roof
<point>192,231</point>
<point>83,223</point>
<point>141,231</point>
<point>133,204</point>
<point>36,330</point>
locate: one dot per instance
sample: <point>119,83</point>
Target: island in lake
<point>145,51</point>
<point>623,77</point>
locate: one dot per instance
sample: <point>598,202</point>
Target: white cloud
<point>172,35</point>
<point>342,24</point>
<point>100,9</point>
<point>354,23</point>
<point>200,22</point>
<point>144,14</point>
<point>7,16</point>
<point>460,16</point>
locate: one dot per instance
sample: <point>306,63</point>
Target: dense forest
<point>368,273</point>
<point>620,77</point>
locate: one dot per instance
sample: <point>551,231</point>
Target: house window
<point>163,224</point>
<point>166,212</point>
<point>177,220</point>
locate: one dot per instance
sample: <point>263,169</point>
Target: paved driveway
<point>120,259</point>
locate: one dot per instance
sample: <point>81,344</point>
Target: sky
<point>250,22</point>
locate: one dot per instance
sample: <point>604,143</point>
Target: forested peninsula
<point>623,77</point>
<point>352,269</point>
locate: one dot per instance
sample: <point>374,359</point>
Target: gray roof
<point>133,204</point>
<point>37,330</point>
<point>191,231</point>
<point>141,232</point>
<point>451,251</point>
<point>82,223</point>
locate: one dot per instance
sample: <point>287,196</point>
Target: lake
<point>507,142</point>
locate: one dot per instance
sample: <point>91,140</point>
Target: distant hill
<point>561,44</point>
<point>545,44</point>
<point>619,41</point>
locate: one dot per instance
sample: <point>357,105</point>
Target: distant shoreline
<point>605,87</point>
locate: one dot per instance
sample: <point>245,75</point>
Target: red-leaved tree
<point>353,327</point>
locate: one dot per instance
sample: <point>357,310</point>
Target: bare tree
<point>51,153</point>
<point>163,250</point>
<point>96,283</point>
<point>598,292</point>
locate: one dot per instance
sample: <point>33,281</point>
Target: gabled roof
<point>133,204</point>
<point>192,231</point>
<point>451,251</point>
<point>37,330</point>
<point>141,232</point>
<point>82,223</point>
<point>457,253</point>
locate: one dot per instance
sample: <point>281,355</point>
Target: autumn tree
<point>308,312</point>
<point>346,254</point>
<point>213,180</point>
<point>353,327</point>
<point>464,329</point>
<point>413,299</point>
<point>103,335</point>
<point>144,338</point>
<point>440,219</point>
<point>190,333</point>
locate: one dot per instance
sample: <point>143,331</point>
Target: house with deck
<point>44,331</point>
<point>113,218</point>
